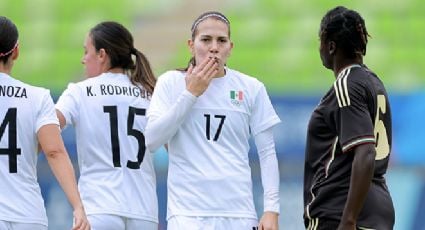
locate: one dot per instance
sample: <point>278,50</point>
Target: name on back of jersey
<point>103,90</point>
<point>13,91</point>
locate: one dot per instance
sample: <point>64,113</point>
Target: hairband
<point>10,51</point>
<point>207,16</point>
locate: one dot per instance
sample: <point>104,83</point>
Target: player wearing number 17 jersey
<point>349,136</point>
<point>206,114</point>
<point>117,178</point>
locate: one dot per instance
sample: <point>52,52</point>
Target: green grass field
<point>275,41</point>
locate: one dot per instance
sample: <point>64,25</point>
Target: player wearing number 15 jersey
<point>117,178</point>
<point>349,136</point>
<point>206,114</point>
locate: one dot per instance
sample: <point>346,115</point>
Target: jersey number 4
<point>12,149</point>
<point>113,120</point>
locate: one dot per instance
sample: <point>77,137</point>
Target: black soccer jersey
<point>354,111</point>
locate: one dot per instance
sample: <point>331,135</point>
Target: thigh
<point>135,224</point>
<point>106,222</point>
<point>321,224</point>
<point>185,222</point>
<point>210,223</point>
<point>235,223</point>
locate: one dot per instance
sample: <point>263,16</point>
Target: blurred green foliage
<point>52,35</point>
<point>275,41</point>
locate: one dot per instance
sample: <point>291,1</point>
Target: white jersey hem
<point>248,215</point>
<point>25,220</point>
<point>123,214</point>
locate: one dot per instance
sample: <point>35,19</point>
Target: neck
<point>220,73</point>
<point>115,70</point>
<point>338,67</point>
<point>5,68</point>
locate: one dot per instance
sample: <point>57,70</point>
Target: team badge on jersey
<point>236,97</point>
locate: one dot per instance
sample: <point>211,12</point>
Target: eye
<point>205,39</point>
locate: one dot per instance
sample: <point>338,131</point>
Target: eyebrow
<point>209,36</point>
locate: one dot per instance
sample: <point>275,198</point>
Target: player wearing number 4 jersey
<point>349,136</point>
<point>206,114</point>
<point>117,178</point>
<point>27,122</point>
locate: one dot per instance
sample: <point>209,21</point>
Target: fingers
<point>190,69</point>
<point>260,226</point>
<point>81,225</point>
<point>206,68</point>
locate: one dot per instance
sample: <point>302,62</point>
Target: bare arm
<point>52,145</point>
<point>361,177</point>
<point>61,117</point>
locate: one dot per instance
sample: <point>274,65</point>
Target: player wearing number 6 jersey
<point>27,122</point>
<point>349,135</point>
<point>117,178</point>
<point>206,114</point>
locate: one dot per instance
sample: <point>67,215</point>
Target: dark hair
<point>209,14</point>
<point>117,41</point>
<point>347,29</point>
<point>8,38</point>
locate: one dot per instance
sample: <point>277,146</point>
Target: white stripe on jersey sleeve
<point>341,88</point>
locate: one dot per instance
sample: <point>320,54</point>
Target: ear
<point>332,47</point>
<point>231,48</point>
<point>15,53</point>
<point>190,45</point>
<point>102,53</point>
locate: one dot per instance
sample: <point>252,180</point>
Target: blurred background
<point>277,42</point>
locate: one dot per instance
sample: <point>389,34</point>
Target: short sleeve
<point>263,115</point>
<point>68,103</point>
<point>355,125</point>
<point>46,114</point>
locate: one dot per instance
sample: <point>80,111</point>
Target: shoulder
<point>171,76</point>
<point>245,80</point>
<point>172,73</point>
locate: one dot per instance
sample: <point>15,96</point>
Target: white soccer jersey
<point>209,173</point>
<point>24,109</point>
<point>116,173</point>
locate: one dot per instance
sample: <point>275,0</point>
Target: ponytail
<point>142,72</point>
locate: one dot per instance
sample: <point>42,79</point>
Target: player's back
<point>23,110</point>
<point>116,171</point>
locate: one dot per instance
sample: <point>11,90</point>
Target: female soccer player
<point>28,120</point>
<point>117,179</point>
<point>349,135</point>
<point>205,114</point>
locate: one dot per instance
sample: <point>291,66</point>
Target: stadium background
<point>276,41</point>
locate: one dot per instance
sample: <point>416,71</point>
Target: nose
<point>214,47</point>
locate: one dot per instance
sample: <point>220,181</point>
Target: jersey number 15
<point>113,120</point>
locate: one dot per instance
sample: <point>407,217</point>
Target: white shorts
<point>8,225</point>
<point>211,223</point>
<point>114,222</point>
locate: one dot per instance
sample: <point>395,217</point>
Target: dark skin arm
<point>361,177</point>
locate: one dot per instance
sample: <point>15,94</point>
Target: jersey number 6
<point>382,146</point>
<point>113,120</point>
